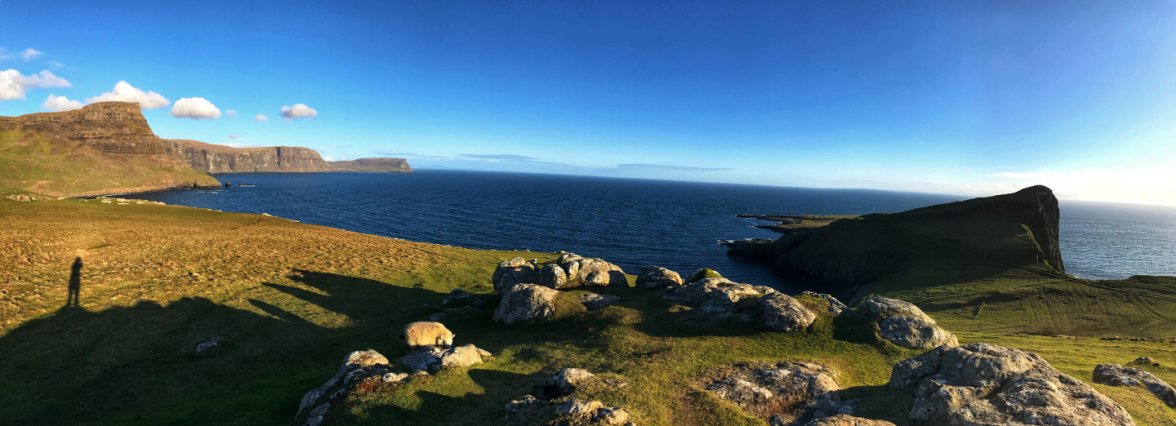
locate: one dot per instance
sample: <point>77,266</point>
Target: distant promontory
<point>108,147</point>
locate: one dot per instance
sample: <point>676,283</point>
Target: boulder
<point>658,277</point>
<point>594,301</point>
<point>835,306</point>
<point>566,381</point>
<point>847,420</point>
<point>513,271</point>
<point>431,359</point>
<point>552,275</point>
<point>703,273</point>
<point>591,271</point>
<point>783,313</point>
<point>526,302</point>
<point>357,367</point>
<point>1117,375</point>
<point>715,297</point>
<point>904,324</point>
<point>983,384</point>
<point>784,393</point>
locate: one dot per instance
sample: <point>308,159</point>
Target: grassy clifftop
<point>290,299</point>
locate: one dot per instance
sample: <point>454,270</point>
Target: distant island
<point>109,148</point>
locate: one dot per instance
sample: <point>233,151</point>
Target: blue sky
<point>950,97</point>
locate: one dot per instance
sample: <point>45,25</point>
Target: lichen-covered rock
<point>513,271</point>
<point>785,393</point>
<point>716,297</point>
<point>835,306</point>
<point>591,271</point>
<point>566,380</point>
<point>1117,375</point>
<point>906,325</point>
<point>658,277</point>
<point>526,302</point>
<point>783,313</point>
<point>702,274</point>
<point>594,301</point>
<point>552,275</point>
<point>982,384</point>
<point>357,367</point>
<point>847,420</point>
<point>431,359</point>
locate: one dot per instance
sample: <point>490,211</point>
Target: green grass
<point>290,300</point>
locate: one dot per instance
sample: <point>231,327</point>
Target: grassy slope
<point>291,299</point>
<point>47,165</point>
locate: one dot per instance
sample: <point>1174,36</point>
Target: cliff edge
<point>940,243</point>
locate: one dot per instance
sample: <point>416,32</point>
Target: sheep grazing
<point>427,333</point>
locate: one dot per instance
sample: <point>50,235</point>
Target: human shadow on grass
<point>138,364</point>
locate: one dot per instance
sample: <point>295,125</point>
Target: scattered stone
<point>594,301</point>
<point>208,345</point>
<point>835,306</point>
<point>357,367</point>
<point>783,313</point>
<point>847,420</point>
<point>24,198</point>
<point>552,275</point>
<point>459,297</point>
<point>427,334</point>
<point>526,302</point>
<point>906,325</point>
<point>1117,375</point>
<point>511,272</point>
<point>658,277</point>
<point>983,384</point>
<point>430,359</point>
<point>784,393</point>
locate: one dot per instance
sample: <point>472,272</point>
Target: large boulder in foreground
<point>904,324</point>
<point>1118,375</point>
<point>949,242</point>
<point>527,302</point>
<point>784,393</point>
<point>982,384</point>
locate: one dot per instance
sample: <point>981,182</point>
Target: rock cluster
<point>904,324</point>
<point>1117,375</point>
<point>784,393</point>
<point>358,367</point>
<point>982,384</point>
<point>717,297</point>
<point>431,359</point>
<point>568,271</point>
<point>558,404</point>
<point>21,197</point>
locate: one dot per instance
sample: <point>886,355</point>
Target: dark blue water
<point>630,222</point>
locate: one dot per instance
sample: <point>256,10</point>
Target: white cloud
<point>60,103</point>
<point>298,111</point>
<point>125,92</point>
<point>1145,183</point>
<point>13,84</point>
<point>195,108</point>
<point>30,54</point>
<point>231,113</point>
<point>261,118</point>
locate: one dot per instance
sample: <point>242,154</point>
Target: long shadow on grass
<point>138,364</point>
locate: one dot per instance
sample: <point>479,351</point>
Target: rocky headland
<point>108,147</point>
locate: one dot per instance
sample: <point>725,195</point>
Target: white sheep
<point>427,333</point>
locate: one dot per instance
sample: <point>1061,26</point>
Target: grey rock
<point>552,275</point>
<point>835,306</point>
<point>716,297</point>
<point>357,367</point>
<point>658,277</point>
<point>906,325</point>
<point>784,393</point>
<point>847,420</point>
<point>526,302</point>
<point>431,359</point>
<point>511,272</point>
<point>594,301</point>
<point>591,271</point>
<point>566,381</point>
<point>1117,375</point>
<point>982,384</point>
<point>783,313</point>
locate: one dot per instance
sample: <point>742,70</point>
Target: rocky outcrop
<point>432,358</point>
<point>946,242</point>
<point>358,367</point>
<point>513,271</point>
<point>781,312</point>
<point>558,403</point>
<point>373,165</point>
<point>904,324</point>
<point>658,277</point>
<point>587,271</point>
<point>982,384</point>
<point>783,394</point>
<point>1117,375</point>
<point>835,306</point>
<point>527,302</point>
<point>569,270</point>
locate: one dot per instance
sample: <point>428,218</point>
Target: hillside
<point>938,244</point>
<point>158,280</point>
<point>109,148</point>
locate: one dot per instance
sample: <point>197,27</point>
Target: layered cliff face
<point>215,159</point>
<point>946,242</point>
<point>381,165</point>
<point>106,147</point>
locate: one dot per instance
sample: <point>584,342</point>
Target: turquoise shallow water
<point>637,222</point>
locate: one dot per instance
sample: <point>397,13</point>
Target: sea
<point>637,222</point>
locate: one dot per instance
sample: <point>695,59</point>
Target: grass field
<point>290,299</point>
